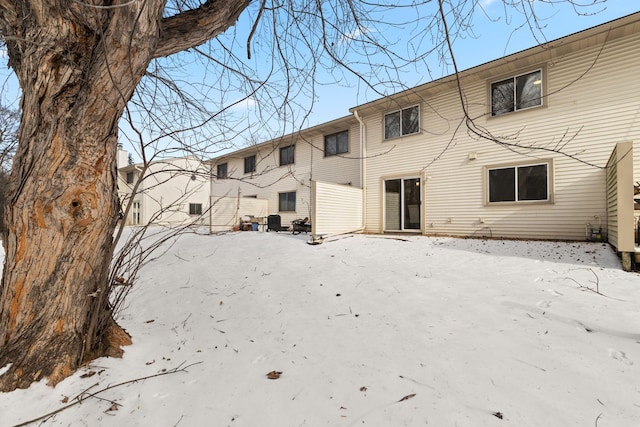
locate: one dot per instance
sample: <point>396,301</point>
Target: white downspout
<point>363,166</point>
<point>363,179</point>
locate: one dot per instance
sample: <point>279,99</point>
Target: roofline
<point>137,166</point>
<point>313,129</point>
<point>550,45</point>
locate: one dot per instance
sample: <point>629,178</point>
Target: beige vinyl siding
<point>339,169</point>
<point>167,190</point>
<point>590,115</point>
<point>226,212</point>
<point>620,198</point>
<point>270,179</point>
<point>337,209</point>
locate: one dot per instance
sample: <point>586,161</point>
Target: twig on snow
<point>597,418</point>
<point>587,288</point>
<point>84,395</point>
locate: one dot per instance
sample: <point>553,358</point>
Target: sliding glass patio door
<point>402,200</point>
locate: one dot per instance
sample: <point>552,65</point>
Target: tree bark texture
<point>78,64</point>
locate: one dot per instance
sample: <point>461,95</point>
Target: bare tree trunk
<point>62,202</point>
<point>78,64</point>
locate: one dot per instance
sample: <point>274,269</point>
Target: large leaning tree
<point>79,63</point>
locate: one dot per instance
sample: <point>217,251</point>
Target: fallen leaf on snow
<point>88,374</point>
<point>274,375</point>
<point>497,415</point>
<point>113,407</point>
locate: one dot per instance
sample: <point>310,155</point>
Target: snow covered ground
<point>365,330</point>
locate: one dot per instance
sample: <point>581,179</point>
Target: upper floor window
<point>250,164</point>
<point>221,171</point>
<point>519,183</point>
<point>130,177</point>
<point>336,143</point>
<point>287,155</point>
<point>402,122</point>
<point>516,93</point>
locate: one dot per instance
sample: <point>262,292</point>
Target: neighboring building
<point>564,105</point>
<point>276,177</point>
<point>172,192</point>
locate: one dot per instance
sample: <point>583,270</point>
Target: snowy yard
<point>365,330</point>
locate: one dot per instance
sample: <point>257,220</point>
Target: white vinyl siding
<point>167,190</point>
<point>584,117</point>
<point>310,164</point>
<point>338,209</point>
<point>227,212</point>
<point>620,198</point>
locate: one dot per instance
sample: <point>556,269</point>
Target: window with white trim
<point>287,201</point>
<point>221,171</point>
<point>250,164</point>
<point>287,155</point>
<point>136,210</point>
<point>402,122</point>
<point>522,183</point>
<point>195,208</point>
<point>516,93</point>
<point>336,143</point>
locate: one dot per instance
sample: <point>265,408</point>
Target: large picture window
<point>516,93</point>
<point>287,155</point>
<point>336,143</point>
<point>250,164</point>
<point>519,183</point>
<point>287,202</point>
<point>402,122</point>
<point>221,171</point>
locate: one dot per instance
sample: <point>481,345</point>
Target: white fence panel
<point>336,209</point>
<point>226,212</point>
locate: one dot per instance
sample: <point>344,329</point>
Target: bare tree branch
<point>194,27</point>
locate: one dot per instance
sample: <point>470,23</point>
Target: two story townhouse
<point>278,177</point>
<point>516,148</point>
<point>172,192</point>
<point>535,145</point>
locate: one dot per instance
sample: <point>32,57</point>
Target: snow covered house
<point>538,144</point>
<point>282,176</point>
<point>172,191</point>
